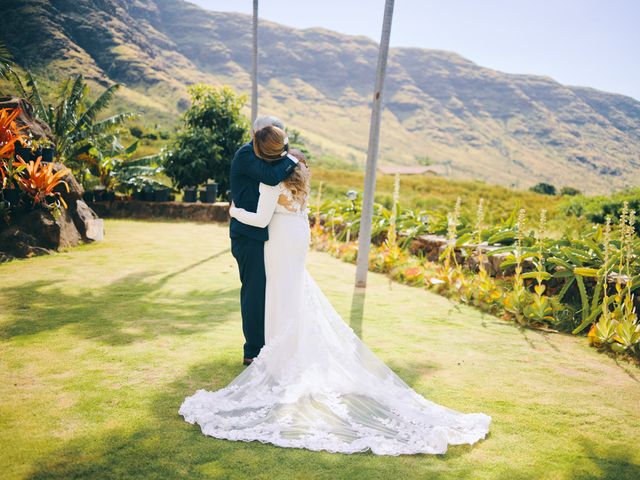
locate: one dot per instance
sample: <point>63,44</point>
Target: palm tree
<point>364,238</point>
<point>254,71</point>
<point>73,121</point>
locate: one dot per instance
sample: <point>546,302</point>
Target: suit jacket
<point>247,172</point>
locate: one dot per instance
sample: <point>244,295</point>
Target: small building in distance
<point>439,170</point>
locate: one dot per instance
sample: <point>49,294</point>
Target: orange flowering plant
<point>40,181</point>
<point>9,135</point>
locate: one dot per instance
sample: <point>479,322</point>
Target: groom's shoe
<point>247,361</point>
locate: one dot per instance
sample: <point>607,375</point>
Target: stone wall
<point>197,212</point>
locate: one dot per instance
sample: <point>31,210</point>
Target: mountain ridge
<point>512,129</point>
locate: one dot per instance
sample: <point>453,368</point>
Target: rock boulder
<point>39,231</point>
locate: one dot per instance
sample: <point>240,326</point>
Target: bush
<point>136,131</point>
<point>544,188</point>
<point>597,209</point>
<point>212,130</point>
<point>570,191</point>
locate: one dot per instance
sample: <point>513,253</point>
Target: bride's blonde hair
<point>299,182</point>
<point>270,144</point>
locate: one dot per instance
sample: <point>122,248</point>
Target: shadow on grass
<point>411,372</point>
<point>612,463</point>
<point>625,369</point>
<point>122,312</point>
<point>357,310</point>
<point>167,447</point>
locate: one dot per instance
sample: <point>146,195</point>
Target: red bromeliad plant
<point>40,181</point>
<point>9,135</point>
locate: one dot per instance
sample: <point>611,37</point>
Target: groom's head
<point>266,121</point>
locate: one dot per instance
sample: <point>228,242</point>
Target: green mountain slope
<point>508,129</point>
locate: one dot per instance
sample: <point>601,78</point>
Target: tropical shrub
<point>110,163</point>
<point>73,119</point>
<point>213,128</point>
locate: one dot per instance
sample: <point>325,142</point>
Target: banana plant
<point>74,118</point>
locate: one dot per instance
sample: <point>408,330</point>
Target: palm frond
<point>6,61</point>
<point>147,161</point>
<point>96,107</point>
<point>35,98</point>
<point>78,93</point>
<point>71,104</point>
<point>17,83</point>
<point>106,125</point>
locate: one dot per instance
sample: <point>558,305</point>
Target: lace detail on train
<point>315,385</point>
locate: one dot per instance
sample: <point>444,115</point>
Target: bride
<point>315,385</point>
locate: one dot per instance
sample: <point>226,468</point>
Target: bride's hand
<point>231,208</point>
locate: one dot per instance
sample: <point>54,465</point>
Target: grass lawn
<point>99,345</point>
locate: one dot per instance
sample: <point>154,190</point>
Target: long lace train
<point>315,385</point>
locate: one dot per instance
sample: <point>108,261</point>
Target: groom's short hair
<point>266,121</point>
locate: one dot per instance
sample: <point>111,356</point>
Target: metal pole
<point>254,71</point>
<point>364,239</point>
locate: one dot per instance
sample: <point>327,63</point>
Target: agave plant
<point>40,181</point>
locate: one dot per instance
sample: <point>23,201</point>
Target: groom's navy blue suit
<point>247,242</point>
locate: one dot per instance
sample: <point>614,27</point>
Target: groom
<point>247,242</point>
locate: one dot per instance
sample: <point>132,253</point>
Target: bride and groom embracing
<point>310,381</point>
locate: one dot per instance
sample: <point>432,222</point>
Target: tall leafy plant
<point>213,128</point>
<point>73,118</point>
<point>539,309</point>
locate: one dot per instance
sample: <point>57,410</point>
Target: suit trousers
<point>249,253</point>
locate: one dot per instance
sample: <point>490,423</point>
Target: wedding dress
<point>315,385</point>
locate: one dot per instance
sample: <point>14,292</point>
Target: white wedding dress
<point>315,385</point>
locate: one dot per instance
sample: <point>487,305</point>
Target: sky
<point>594,43</point>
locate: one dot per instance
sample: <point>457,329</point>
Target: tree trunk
<point>364,238</point>
<point>254,71</point>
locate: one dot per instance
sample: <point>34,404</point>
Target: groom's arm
<point>264,172</point>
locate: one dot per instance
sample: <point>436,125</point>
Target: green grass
<point>100,344</point>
